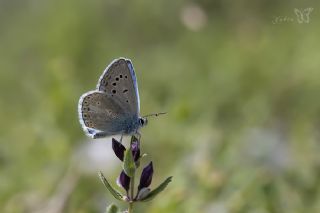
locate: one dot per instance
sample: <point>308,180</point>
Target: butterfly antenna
<point>154,114</point>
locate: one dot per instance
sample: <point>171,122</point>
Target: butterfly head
<point>143,121</point>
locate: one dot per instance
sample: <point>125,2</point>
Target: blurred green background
<point>240,80</point>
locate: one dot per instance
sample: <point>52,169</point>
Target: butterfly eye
<point>143,121</point>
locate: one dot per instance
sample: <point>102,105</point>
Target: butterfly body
<point>114,107</point>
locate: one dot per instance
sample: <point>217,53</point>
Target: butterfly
<point>114,107</point>
<point>303,15</point>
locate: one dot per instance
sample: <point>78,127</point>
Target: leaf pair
<point>149,197</point>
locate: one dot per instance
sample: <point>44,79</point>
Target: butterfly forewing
<point>119,82</point>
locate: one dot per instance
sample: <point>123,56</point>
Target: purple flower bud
<point>118,149</point>
<point>135,147</point>
<point>146,176</point>
<point>124,181</point>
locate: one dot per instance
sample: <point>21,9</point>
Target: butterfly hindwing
<point>100,113</point>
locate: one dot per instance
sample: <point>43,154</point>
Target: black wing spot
<point>120,76</point>
<point>98,102</point>
<point>114,91</point>
<point>114,84</point>
<point>124,91</point>
<point>127,101</point>
<point>117,79</point>
<point>126,76</point>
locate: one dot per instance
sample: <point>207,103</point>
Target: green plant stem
<point>130,210</point>
<point>132,188</point>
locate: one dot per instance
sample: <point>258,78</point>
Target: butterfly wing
<point>119,81</point>
<point>100,114</point>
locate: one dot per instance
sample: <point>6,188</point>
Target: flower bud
<point>118,149</point>
<point>135,147</point>
<point>143,193</point>
<point>146,176</point>
<point>124,181</point>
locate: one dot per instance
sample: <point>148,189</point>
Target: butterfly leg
<point>138,134</point>
<point>121,138</point>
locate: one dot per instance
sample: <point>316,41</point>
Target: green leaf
<point>128,163</point>
<point>157,190</point>
<point>112,209</point>
<point>114,192</point>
